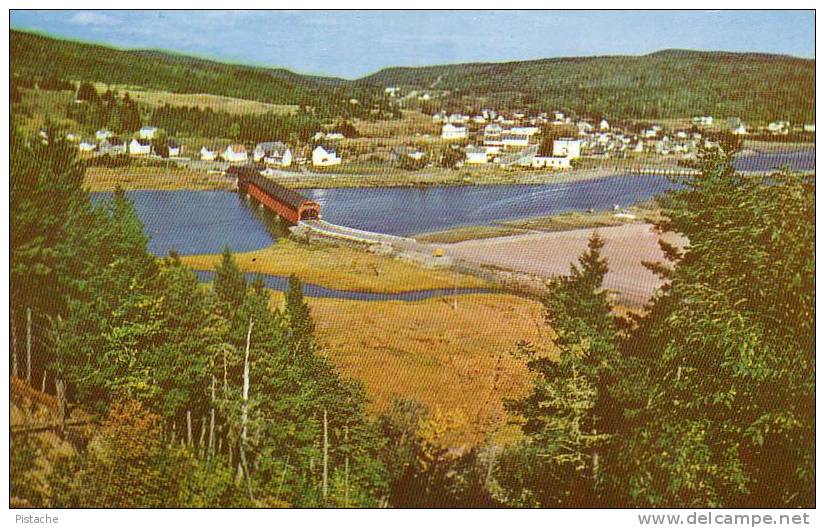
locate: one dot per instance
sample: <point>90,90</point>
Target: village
<point>495,139</point>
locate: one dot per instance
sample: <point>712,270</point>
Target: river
<point>194,222</point>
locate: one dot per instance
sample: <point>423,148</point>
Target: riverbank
<point>644,212</point>
<point>541,255</point>
<point>340,267</point>
<point>137,178</point>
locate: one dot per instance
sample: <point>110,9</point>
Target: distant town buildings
<point>324,157</point>
<point>235,153</point>
<point>453,132</point>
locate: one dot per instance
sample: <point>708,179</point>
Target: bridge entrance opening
<point>309,214</point>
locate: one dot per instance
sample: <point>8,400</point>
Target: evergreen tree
<point>229,284</point>
<point>717,383</point>
<point>561,456</point>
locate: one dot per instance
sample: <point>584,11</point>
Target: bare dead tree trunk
<point>43,383</point>
<point>189,427</point>
<point>14,367</point>
<point>202,440</point>
<point>245,410</point>
<point>211,446</point>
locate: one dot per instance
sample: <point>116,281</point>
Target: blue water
<point>194,222</point>
<point>280,283</point>
<point>411,210</point>
<point>797,160</point>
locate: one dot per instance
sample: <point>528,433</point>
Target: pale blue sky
<point>351,44</point>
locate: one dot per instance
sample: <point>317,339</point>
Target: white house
<point>510,139</point>
<point>174,149</point>
<point>102,134</point>
<point>273,153</point>
<point>779,127</point>
<point>140,147</point>
<point>235,153</point>
<point>550,162</point>
<point>147,132</point>
<point>604,125</point>
<point>208,154</point>
<point>526,130</point>
<point>86,145</point>
<point>476,155</point>
<point>113,146</point>
<point>451,131</point>
<point>567,147</point>
<point>809,128</point>
<point>739,130</point>
<point>703,120</point>
<point>323,157</point>
<point>584,128</point>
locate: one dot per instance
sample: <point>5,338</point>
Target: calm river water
<point>193,222</point>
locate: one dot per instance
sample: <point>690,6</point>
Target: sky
<point>351,44</point>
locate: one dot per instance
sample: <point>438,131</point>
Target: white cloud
<point>91,18</point>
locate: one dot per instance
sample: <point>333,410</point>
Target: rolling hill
<point>665,84</point>
<point>37,56</point>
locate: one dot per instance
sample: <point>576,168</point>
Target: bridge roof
<point>279,192</point>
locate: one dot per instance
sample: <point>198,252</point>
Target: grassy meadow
<point>339,267</point>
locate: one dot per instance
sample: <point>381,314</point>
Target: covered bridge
<point>289,204</point>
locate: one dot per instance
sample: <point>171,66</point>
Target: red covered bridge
<point>290,205</point>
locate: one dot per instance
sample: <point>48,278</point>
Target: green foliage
<point>129,465</point>
<point>142,341</point>
<point>121,115</point>
<point>728,347</point>
<point>561,414</point>
<point>41,57</point>
<point>86,92</point>
<point>707,400</point>
<point>197,122</point>
<point>671,83</point>
<point>451,157</point>
<point>229,284</point>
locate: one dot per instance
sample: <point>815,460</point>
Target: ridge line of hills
<point>662,84</point>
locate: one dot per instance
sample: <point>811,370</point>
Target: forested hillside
<point>670,83</point>
<point>38,57</point>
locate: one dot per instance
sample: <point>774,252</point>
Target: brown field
<point>340,267</point>
<point>99,179</point>
<point>457,362</point>
<point>410,124</point>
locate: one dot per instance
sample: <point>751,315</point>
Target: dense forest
<point>215,395</point>
<point>666,84</point>
<point>121,115</point>
<point>36,58</point>
<point>197,122</point>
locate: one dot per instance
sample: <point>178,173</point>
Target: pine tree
<point>562,414</point>
<point>229,284</point>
